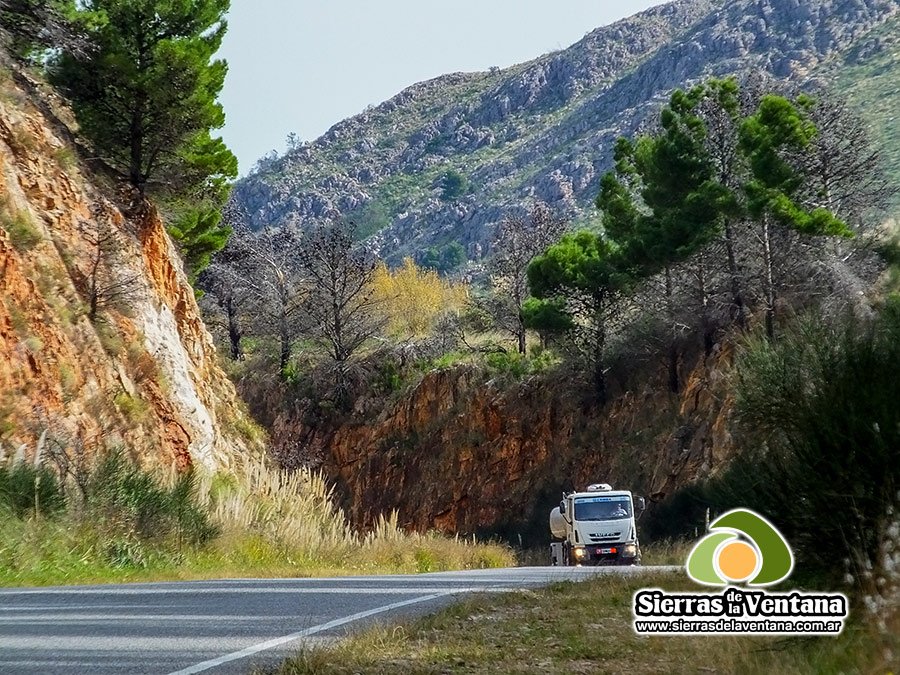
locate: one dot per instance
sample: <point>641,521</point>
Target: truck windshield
<point>602,508</point>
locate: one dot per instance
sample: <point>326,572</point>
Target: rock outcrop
<point>463,453</point>
<point>142,375</point>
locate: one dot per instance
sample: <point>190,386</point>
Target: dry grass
<point>267,524</point>
<point>577,628</point>
<point>293,518</point>
<point>666,552</point>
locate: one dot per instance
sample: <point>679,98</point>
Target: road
<point>224,626</point>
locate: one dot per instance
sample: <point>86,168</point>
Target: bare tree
<point>108,284</point>
<point>226,297</point>
<point>842,169</point>
<point>270,270</point>
<point>723,110</point>
<point>840,173</point>
<point>340,305</point>
<point>520,239</point>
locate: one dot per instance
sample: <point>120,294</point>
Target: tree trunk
<point>599,374</point>
<point>769,280</point>
<point>234,331</point>
<point>285,335</point>
<point>520,333</point>
<point>136,173</point>
<point>706,324</point>
<point>95,283</point>
<point>674,380</point>
<point>737,297</point>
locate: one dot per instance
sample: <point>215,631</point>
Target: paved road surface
<point>223,626</point>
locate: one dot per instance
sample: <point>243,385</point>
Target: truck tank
<point>557,524</point>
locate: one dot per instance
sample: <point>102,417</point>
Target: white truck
<point>596,527</point>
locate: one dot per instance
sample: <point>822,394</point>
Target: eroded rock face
<point>461,454</point>
<point>143,375</point>
<point>543,129</point>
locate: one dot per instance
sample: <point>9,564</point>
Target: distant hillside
<point>869,75</point>
<point>445,160</point>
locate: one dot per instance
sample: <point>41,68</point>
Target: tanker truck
<point>596,527</point>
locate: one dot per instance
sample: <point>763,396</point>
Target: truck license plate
<point>602,551</point>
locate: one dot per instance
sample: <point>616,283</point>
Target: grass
<point>18,225</point>
<point>135,409</point>
<point>577,628</point>
<point>109,337</point>
<point>66,158</point>
<point>253,522</point>
<point>669,552</point>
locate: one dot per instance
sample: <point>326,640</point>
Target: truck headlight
<point>579,552</point>
<point>629,550</point>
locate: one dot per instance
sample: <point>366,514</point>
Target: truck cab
<point>596,527</point>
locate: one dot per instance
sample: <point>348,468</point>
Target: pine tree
<point>145,92</point>
<point>581,281</point>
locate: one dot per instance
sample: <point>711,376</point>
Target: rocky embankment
<point>459,452</point>
<point>143,373</point>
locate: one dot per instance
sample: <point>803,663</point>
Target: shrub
<point>127,496</point>
<point>413,299</point>
<point>819,411</point>
<point>508,363</point>
<point>22,232</point>
<point>518,365</point>
<point>109,338</point>
<point>135,409</point>
<point>25,489</point>
<point>453,185</point>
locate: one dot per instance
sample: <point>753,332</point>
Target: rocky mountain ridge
<point>544,129</point>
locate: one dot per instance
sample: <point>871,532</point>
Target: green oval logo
<point>741,547</point>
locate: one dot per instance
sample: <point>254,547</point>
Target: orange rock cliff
<point>143,376</point>
<point>460,452</point>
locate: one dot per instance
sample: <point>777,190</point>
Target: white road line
<point>443,589</point>
<point>269,644</point>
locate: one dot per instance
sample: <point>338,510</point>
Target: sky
<point>303,65</point>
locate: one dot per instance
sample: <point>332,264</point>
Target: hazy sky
<point>303,65</point>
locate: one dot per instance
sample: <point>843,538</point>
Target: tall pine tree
<point>144,93</point>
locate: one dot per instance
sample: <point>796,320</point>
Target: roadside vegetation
<point>584,628</point>
<point>725,223</point>
<point>116,522</point>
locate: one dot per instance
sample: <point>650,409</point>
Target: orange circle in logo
<point>737,560</point>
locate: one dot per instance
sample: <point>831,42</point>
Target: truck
<point>596,527</point>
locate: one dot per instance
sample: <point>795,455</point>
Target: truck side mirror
<point>562,507</point>
<point>641,504</point>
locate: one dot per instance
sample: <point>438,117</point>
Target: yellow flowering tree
<point>413,299</point>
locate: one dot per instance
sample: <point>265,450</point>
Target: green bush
<point>453,185</point>
<point>518,365</point>
<point>22,232</point>
<point>125,495</point>
<point>508,363</point>
<point>819,412</point>
<point>25,490</point>
<point>444,260</point>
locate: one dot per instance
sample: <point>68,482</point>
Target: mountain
<point>446,159</point>
<point>134,370</point>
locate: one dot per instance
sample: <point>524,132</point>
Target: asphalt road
<point>224,626</point>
